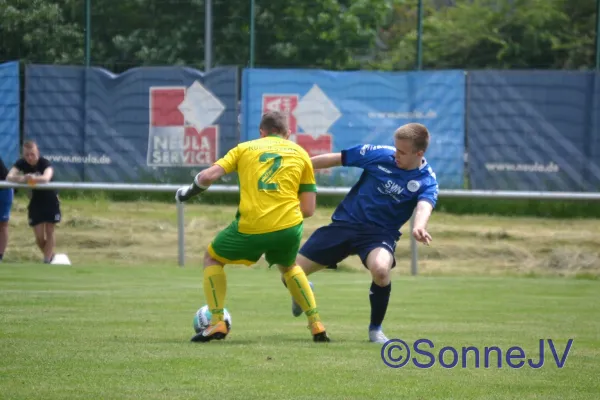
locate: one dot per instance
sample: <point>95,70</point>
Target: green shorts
<point>279,247</point>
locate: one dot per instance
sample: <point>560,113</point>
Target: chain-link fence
<point>447,36</point>
<point>333,35</point>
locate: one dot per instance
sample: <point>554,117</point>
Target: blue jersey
<point>385,195</point>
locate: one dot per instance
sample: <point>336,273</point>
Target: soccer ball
<point>202,319</point>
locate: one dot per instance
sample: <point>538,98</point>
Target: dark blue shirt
<point>385,196</point>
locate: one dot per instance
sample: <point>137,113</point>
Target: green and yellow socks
<point>298,286</point>
<point>215,289</point>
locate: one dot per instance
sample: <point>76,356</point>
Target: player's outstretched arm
<point>323,161</point>
<point>201,182</point>
<point>422,214</point>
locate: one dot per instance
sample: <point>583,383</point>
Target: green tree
<point>128,33</point>
<point>320,34</point>
<point>579,47</point>
<point>476,34</point>
<point>323,33</point>
<point>329,34</point>
<point>39,31</point>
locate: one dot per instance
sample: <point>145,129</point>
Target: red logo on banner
<point>200,148</point>
<point>163,106</point>
<point>171,141</point>
<point>286,103</point>
<point>315,146</point>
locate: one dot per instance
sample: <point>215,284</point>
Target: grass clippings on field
<point>146,232</point>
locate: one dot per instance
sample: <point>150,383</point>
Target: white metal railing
<point>328,191</point>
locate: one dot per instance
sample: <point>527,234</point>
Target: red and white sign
<point>287,103</point>
<point>174,140</point>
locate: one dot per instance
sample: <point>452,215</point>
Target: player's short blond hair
<point>416,133</point>
<point>274,122</point>
<point>30,144</point>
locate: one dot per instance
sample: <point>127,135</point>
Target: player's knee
<point>289,272</point>
<point>379,262</point>
<point>209,261</point>
<point>380,274</point>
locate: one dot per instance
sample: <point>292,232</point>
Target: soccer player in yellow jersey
<point>277,191</point>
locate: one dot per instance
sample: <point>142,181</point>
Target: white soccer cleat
<point>377,336</point>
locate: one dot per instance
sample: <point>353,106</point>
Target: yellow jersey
<point>272,173</point>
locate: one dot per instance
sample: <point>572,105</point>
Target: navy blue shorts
<point>333,243</point>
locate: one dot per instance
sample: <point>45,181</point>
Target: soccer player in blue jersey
<point>395,181</point>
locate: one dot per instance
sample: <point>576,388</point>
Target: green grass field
<point>107,331</point>
<point>117,324</point>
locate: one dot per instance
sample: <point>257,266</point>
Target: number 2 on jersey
<point>269,173</point>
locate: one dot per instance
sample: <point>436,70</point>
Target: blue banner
<point>330,111</point>
<point>534,131</point>
<point>594,137</point>
<point>150,124</point>
<point>9,112</point>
